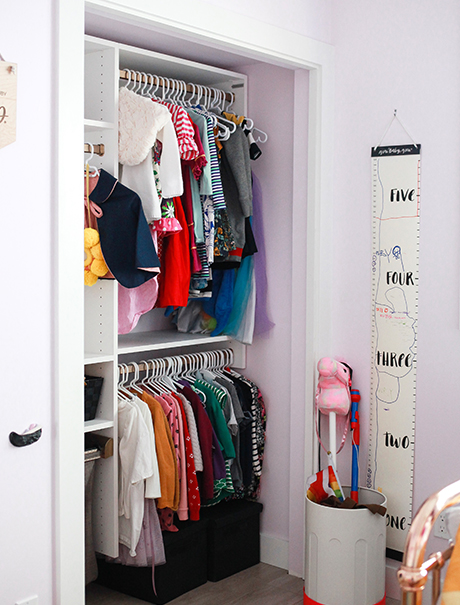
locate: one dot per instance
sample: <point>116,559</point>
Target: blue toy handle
<point>355,398</point>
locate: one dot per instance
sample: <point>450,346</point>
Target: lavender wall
<point>269,356</point>
<point>25,356</point>
<point>403,55</point>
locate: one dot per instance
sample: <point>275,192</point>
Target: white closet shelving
<point>153,335</point>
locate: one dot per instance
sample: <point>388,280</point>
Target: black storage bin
<point>233,537</point>
<point>93,387</point>
<point>185,568</point>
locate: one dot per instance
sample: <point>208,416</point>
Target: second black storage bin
<point>233,537</point>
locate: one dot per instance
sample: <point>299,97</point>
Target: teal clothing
<point>205,180</point>
<point>197,210</point>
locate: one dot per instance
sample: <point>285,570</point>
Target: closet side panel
<point>100,83</point>
<point>101,299</point>
<point>100,318</point>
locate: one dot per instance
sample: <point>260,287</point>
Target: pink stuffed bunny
<point>333,390</point>
<point>333,393</point>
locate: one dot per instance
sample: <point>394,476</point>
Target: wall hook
<point>29,436</point>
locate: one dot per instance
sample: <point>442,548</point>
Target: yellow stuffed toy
<point>94,262</point>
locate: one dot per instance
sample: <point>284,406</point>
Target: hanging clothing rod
<point>167,84</point>
<point>182,363</point>
<point>97,149</point>
<point>92,454</point>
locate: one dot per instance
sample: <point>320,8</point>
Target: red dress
<point>174,279</point>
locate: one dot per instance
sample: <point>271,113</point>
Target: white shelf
<point>138,342</point>
<point>91,358</point>
<point>97,425</point>
<point>94,125</point>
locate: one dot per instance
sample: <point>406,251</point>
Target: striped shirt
<point>188,149</point>
<point>217,190</point>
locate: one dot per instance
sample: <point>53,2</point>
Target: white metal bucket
<point>345,553</point>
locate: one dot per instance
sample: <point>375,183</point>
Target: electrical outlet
<point>29,601</point>
<point>440,527</point>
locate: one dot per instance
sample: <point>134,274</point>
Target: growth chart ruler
<point>395,257</point>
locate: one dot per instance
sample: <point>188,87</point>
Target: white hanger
<point>163,88</point>
<point>231,102</point>
<point>156,83</point>
<point>122,392</point>
<point>259,140</point>
<point>142,92</point>
<point>138,85</point>
<point>132,80</point>
<point>183,93</point>
<point>93,171</point>
<point>194,92</point>
<point>175,371</point>
<point>177,91</point>
<point>215,104</point>
<point>199,94</point>
<point>132,384</point>
<point>249,123</point>
<point>167,90</point>
<point>146,381</point>
<point>188,376</point>
<point>129,78</point>
<point>157,377</point>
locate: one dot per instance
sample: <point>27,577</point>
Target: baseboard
<point>274,551</point>
<point>393,591</point>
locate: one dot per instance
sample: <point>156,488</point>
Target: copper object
<point>413,573</point>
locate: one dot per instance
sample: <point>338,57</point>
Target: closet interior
<point>106,65</point>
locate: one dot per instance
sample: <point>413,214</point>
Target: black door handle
<point>29,436</point>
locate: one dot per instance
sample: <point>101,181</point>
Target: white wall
<point>402,55</point>
<point>310,18</point>
<point>27,200</point>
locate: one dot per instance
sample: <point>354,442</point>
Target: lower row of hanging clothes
<point>191,434</point>
<point>180,228</point>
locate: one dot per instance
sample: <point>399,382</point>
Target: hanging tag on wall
<point>8,86</point>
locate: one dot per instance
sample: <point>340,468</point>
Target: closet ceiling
<point>134,34</point>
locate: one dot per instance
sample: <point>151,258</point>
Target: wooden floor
<point>258,585</point>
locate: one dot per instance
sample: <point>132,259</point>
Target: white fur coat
<point>140,123</point>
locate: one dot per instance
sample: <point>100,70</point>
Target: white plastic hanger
<point>156,83</point>
<point>194,92</point>
<point>133,384</point>
<point>129,78</point>
<point>228,127</point>
<point>145,382</point>
<point>258,139</point>
<point>144,87</point>
<point>123,393</point>
<point>93,170</point>
<point>231,102</point>
<point>137,84</point>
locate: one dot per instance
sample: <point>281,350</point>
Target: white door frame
<point>212,26</point>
